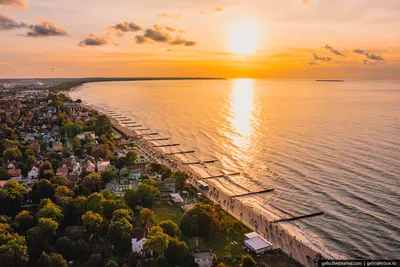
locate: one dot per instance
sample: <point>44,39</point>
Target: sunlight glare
<point>244,38</point>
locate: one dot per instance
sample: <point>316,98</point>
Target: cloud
<point>305,2</point>
<point>21,4</point>
<point>172,50</point>
<point>334,51</point>
<point>212,11</point>
<point>169,16</point>
<point>55,69</point>
<point>46,29</point>
<point>157,35</point>
<point>170,29</point>
<point>180,41</point>
<point>94,40</point>
<point>316,57</point>
<point>160,34</point>
<point>182,31</point>
<point>8,23</point>
<point>120,28</point>
<point>373,57</point>
<point>312,63</point>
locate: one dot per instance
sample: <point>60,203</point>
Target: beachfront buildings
<point>256,243</point>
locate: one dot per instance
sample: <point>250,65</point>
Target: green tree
<point>78,208</point>
<point>92,183</point>
<point>120,162</point>
<point>24,221</point>
<point>180,180</point>
<point>42,189</point>
<point>248,261</point>
<point>170,228</point>
<point>95,203</point>
<point>157,241</point>
<point>48,227</point>
<point>145,195</point>
<point>57,260</point>
<point>11,196</point>
<point>107,176</point>
<point>112,263</point>
<point>109,206</point>
<point>102,124</point>
<point>92,222</point>
<point>200,221</point>
<point>77,146</point>
<point>72,129</point>
<point>107,194</point>
<point>12,154</point>
<point>45,166</point>
<point>13,250</point>
<point>131,198</point>
<point>60,180</point>
<point>101,151</point>
<point>147,215</point>
<point>177,253</point>
<point>131,158</point>
<point>119,230</point>
<point>62,194</point>
<point>49,210</point>
<point>65,246</point>
<point>123,214</point>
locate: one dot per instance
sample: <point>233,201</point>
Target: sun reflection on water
<point>242,110</point>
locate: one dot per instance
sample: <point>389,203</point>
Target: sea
<point>323,146</point>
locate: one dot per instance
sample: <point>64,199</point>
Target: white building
<point>33,173</point>
<point>135,174</point>
<point>256,243</point>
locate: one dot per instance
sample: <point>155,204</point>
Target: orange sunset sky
<point>209,38</point>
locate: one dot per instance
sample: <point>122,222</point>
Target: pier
<point>179,152</point>
<point>299,217</point>
<point>167,145</point>
<point>254,193</point>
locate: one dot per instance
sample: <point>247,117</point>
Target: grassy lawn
<point>164,211</point>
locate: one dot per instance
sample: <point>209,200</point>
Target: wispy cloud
<point>374,57</point>
<point>46,29</point>
<point>305,2</point>
<point>120,28</point>
<point>169,16</point>
<point>334,51</point>
<point>8,23</point>
<point>318,58</point>
<point>212,11</point>
<point>21,4</point>
<point>312,63</point>
<point>161,34</point>
<point>94,40</point>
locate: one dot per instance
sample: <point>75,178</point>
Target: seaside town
<point>77,190</point>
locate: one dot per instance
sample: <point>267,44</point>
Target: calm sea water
<point>332,147</point>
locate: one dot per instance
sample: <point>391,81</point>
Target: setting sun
<point>244,38</point>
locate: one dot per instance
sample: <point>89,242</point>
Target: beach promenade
<point>284,235</point>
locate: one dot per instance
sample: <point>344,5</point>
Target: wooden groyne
<point>299,217</point>
<point>220,176</point>
<point>146,134</point>
<point>142,129</point>
<point>200,162</point>
<point>158,139</point>
<point>179,153</point>
<point>167,145</point>
<point>135,126</point>
<point>254,193</point>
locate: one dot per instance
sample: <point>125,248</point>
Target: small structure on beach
<point>256,243</point>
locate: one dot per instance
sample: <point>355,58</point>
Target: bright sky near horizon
<point>208,38</point>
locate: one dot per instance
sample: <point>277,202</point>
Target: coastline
<point>285,235</point>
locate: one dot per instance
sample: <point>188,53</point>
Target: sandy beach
<point>283,235</point>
